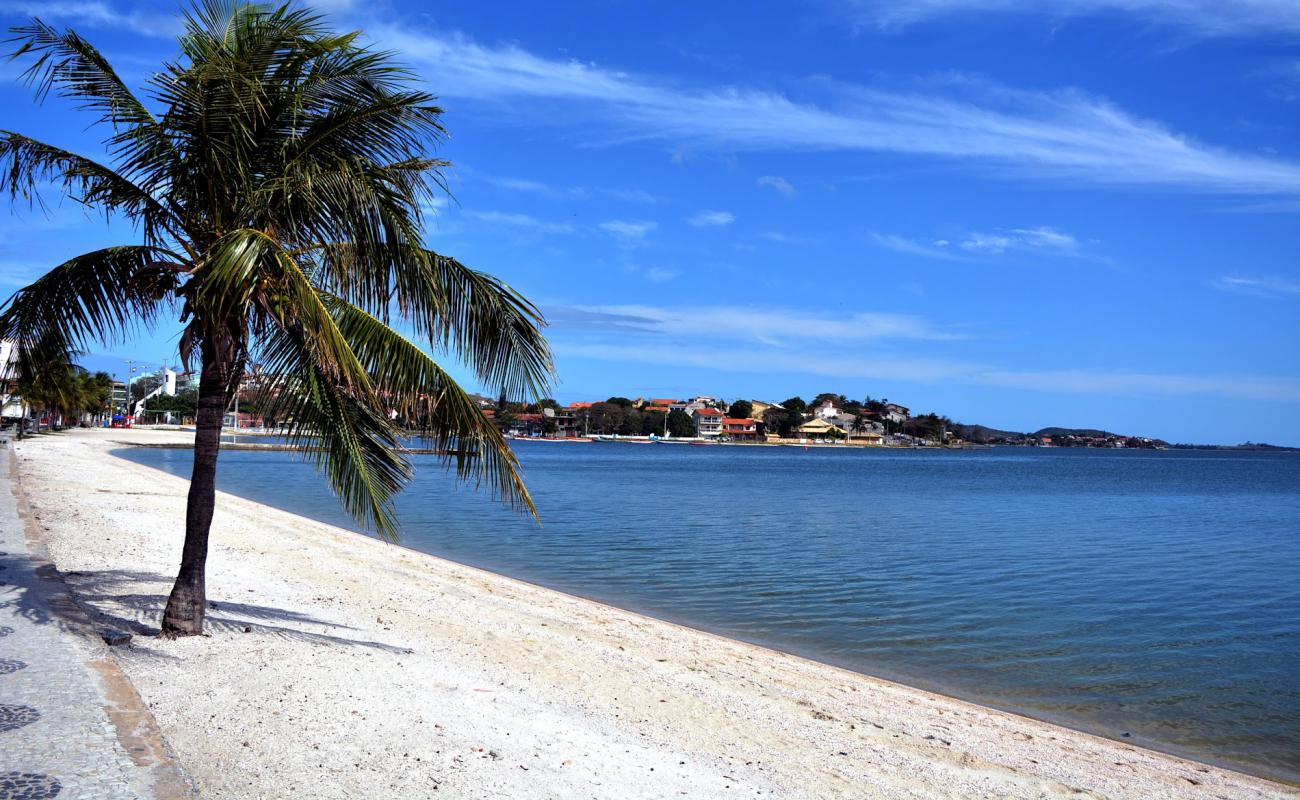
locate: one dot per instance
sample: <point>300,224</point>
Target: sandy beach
<point>338,666</point>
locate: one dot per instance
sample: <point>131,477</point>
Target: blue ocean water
<point>1154,594</point>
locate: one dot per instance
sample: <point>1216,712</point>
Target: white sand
<point>338,666</point>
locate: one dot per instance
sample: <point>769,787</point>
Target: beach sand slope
<point>338,666</point>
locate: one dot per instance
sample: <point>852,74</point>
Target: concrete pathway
<point>71,725</point>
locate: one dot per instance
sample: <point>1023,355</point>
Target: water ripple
<point>1154,593</point>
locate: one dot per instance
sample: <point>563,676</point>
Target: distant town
<point>827,418</point>
<point>167,396</point>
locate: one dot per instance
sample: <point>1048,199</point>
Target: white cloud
<point>97,15</point>
<point>1111,382</point>
<point>524,185</point>
<point>1260,286</point>
<point>911,247</point>
<point>771,326</point>
<point>1203,18</point>
<point>629,229</point>
<point>778,183</point>
<point>1039,239</point>
<point>659,274</point>
<point>856,365</point>
<point>525,221</point>
<point>986,243</point>
<point>750,360</point>
<point>785,238</point>
<point>767,340</point>
<point>528,185</point>
<point>1064,134</point>
<point>712,219</point>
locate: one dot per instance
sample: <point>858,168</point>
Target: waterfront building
<point>827,410</point>
<point>818,428</point>
<point>11,405</point>
<point>687,406</point>
<point>708,422</point>
<point>745,430</point>
<point>897,413</point>
<point>759,408</point>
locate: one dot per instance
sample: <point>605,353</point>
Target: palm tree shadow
<point>122,600</point>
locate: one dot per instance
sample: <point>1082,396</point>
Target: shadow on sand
<point>113,601</point>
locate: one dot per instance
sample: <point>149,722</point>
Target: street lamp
<point>130,374</point>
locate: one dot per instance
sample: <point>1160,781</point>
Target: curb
<point>138,733</point>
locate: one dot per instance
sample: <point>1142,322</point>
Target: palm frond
<point>488,325</point>
<point>413,385</point>
<point>70,66</point>
<point>97,296</point>
<point>46,375</point>
<point>347,436</point>
<point>27,164</point>
<point>250,272</point>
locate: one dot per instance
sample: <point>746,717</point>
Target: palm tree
<point>52,385</point>
<point>99,394</point>
<point>277,177</point>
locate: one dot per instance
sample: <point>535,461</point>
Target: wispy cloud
<point>629,229</point>
<point>1041,240</point>
<point>1259,286</point>
<point>531,186</point>
<point>1121,382</point>
<point>712,219</point>
<point>785,238</point>
<point>772,326</point>
<point>525,221</point>
<point>1202,18</point>
<point>891,367</point>
<point>866,345</point>
<point>659,274</point>
<point>1064,134</point>
<point>938,248</point>
<point>778,183</point>
<point>750,360</point>
<point>95,14</point>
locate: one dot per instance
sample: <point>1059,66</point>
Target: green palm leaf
<point>413,385</point>
<point>97,296</point>
<point>277,172</point>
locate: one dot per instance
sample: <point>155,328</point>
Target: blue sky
<point>1068,212</point>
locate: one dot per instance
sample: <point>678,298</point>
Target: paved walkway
<point>71,726</point>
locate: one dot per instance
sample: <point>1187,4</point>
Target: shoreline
<point>875,672</point>
<point>825,730</point>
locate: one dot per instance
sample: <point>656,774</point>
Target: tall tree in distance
<point>276,172</point>
<point>741,409</point>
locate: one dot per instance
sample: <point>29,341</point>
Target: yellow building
<point>819,428</point>
<point>759,408</point>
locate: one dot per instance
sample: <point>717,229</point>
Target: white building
<point>708,422</point>
<point>10,404</point>
<point>896,413</point>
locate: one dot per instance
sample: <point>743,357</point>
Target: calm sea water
<point>1150,593</point>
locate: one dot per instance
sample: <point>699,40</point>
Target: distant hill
<point>1244,446</point>
<point>981,433</point>
<point>1087,433</point>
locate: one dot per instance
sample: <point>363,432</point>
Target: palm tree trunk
<point>188,600</point>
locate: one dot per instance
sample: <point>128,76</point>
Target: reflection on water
<point>1140,592</point>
